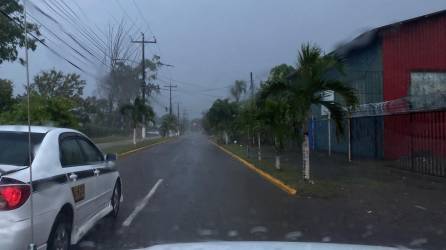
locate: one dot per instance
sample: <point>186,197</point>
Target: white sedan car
<point>74,186</point>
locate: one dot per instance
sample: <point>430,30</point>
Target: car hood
<point>264,246</point>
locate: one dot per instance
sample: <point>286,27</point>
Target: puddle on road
<point>326,239</point>
<point>258,229</point>
<point>293,236</point>
<point>205,232</point>
<point>232,233</point>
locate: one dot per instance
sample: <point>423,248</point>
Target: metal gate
<point>417,141</point>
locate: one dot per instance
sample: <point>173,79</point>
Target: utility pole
<point>143,82</point>
<point>251,87</point>
<point>143,64</point>
<point>178,111</point>
<point>170,86</point>
<point>178,117</point>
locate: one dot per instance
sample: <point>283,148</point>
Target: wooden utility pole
<point>170,86</point>
<point>143,82</point>
<point>143,64</point>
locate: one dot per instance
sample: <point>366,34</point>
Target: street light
<point>166,65</point>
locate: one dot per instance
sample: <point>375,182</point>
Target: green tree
<point>136,112</point>
<point>168,123</point>
<point>306,88</point>
<point>12,35</point>
<point>221,118</point>
<point>274,117</point>
<point>57,84</point>
<point>56,111</point>
<point>238,90</point>
<point>6,98</point>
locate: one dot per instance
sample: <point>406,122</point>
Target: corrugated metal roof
<point>367,38</point>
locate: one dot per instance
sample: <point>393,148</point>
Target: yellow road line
<point>264,174</point>
<point>145,147</point>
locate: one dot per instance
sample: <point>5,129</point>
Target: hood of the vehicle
<point>264,246</point>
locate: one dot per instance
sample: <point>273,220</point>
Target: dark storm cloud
<point>214,42</point>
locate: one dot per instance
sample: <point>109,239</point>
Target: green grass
<point>111,138</point>
<point>291,177</point>
<point>128,147</point>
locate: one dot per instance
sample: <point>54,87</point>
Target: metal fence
<point>400,133</point>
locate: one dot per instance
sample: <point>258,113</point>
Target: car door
<point>81,178</point>
<point>104,184</point>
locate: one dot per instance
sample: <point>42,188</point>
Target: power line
<point>20,24</point>
<point>129,17</point>
<point>61,40</point>
<point>87,17</point>
<point>87,28</point>
<point>71,36</point>
<point>147,23</point>
<point>65,16</point>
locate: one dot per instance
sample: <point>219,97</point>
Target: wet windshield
<point>195,121</point>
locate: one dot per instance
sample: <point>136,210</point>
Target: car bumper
<point>15,235</point>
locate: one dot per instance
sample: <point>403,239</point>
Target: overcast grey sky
<point>214,42</point>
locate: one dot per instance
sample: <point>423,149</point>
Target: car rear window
<point>14,147</point>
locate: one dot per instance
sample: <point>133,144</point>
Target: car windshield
<point>192,121</point>
<point>14,147</point>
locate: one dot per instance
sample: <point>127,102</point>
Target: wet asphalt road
<point>207,195</point>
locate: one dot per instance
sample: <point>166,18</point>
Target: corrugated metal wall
<point>339,144</point>
<point>367,137</point>
<point>419,46</point>
<point>422,145</point>
<point>363,71</point>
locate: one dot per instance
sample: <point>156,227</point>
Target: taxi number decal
<point>78,192</point>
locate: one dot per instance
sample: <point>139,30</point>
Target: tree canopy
<point>12,36</point>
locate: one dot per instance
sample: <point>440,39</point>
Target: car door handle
<point>73,177</point>
<point>96,172</point>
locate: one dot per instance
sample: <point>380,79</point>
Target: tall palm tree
<point>274,117</point>
<point>238,90</point>
<point>306,88</point>
<point>136,112</point>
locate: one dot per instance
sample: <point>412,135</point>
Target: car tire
<point>116,200</point>
<point>60,236</point>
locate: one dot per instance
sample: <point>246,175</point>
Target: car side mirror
<point>111,157</point>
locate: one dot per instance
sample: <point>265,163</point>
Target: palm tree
<point>274,109</point>
<point>274,117</point>
<point>137,112</point>
<point>306,88</point>
<point>238,89</point>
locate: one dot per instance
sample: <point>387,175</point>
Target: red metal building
<point>414,49</point>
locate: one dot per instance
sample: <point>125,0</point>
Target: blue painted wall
<point>363,71</point>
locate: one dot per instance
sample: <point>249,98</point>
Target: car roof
<point>24,128</point>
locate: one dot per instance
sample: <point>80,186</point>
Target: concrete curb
<point>265,175</point>
<point>145,147</point>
